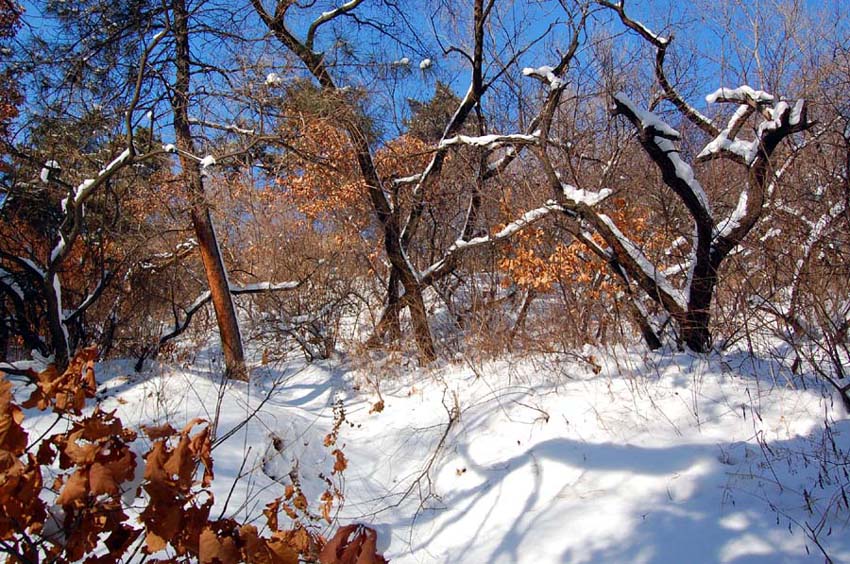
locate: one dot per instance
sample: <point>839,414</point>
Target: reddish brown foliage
<point>66,392</point>
<point>22,513</point>
<point>97,463</point>
<point>352,544</point>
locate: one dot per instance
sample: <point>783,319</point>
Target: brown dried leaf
<point>333,549</point>
<point>271,512</point>
<point>299,539</point>
<point>155,459</point>
<point>46,454</point>
<point>66,392</point>
<point>154,542</point>
<point>300,502</point>
<point>352,544</point>
<point>214,549</point>
<point>327,501</point>
<point>101,480</point>
<point>201,448</point>
<point>76,488</point>
<point>76,454</point>
<point>156,433</point>
<point>180,463</point>
<point>281,552</point>
<point>13,438</point>
<point>340,463</point>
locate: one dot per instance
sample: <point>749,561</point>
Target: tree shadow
<point>655,524</point>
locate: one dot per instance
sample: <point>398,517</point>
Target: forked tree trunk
<point>225,313</point>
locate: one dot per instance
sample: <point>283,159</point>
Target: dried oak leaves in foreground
<point>94,480</point>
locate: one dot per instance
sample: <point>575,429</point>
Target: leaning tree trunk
<point>225,313</point>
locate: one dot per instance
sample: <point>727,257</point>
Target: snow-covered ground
<point>624,456</point>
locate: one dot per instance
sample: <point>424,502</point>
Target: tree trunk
<point>695,326</point>
<point>58,332</point>
<point>225,313</point>
<point>393,324</point>
<point>421,330</point>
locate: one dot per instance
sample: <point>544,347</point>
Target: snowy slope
<point>628,457</point>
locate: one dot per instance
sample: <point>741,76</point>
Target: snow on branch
<point>725,143</point>
<point>645,32</point>
<point>490,141</point>
<point>545,74</point>
<point>587,197</point>
<point>777,116</point>
<point>648,121</point>
<point>725,227</point>
<point>167,258</point>
<point>462,245</point>
<point>221,126</point>
<point>412,179</point>
<point>265,287</point>
<point>89,184</point>
<point>741,95</point>
<point>815,235</point>
<point>676,172</point>
<point>205,297</point>
<point>646,267</point>
<point>81,193</point>
<point>326,17</point>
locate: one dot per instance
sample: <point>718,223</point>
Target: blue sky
<point>715,52</point>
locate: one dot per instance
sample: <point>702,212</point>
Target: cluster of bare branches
<point>289,158</point>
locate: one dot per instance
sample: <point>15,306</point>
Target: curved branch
<point>326,17</point>
<point>661,44</point>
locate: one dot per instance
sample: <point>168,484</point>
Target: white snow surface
<point>627,457</point>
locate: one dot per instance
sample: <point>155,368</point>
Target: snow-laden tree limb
<point>326,17</point>
<point>461,246</point>
<point>230,128</point>
<point>744,94</point>
<point>489,141</point>
<point>205,297</point>
<point>656,137</point>
<point>545,74</point>
<point>160,261</point>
